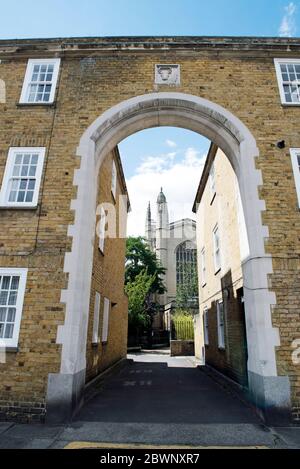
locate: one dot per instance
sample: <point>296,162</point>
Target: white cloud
<point>288,26</point>
<point>156,163</point>
<point>171,144</point>
<point>179,180</point>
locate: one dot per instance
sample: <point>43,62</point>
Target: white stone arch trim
<point>237,142</point>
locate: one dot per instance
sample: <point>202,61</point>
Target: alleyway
<point>158,389</point>
<point>155,400</point>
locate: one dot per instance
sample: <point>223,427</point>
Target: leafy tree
<point>139,258</point>
<point>138,292</point>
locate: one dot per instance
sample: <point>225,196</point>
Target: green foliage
<point>138,291</point>
<point>139,258</point>
<point>187,293</point>
<point>183,325</point>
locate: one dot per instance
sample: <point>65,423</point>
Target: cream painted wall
<point>222,208</point>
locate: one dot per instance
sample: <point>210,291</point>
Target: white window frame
<point>114,179</point>
<point>217,249</point>
<point>8,176</point>
<point>96,337</point>
<point>106,314</point>
<point>24,99</point>
<point>295,153</point>
<point>22,273</point>
<point>203,267</point>
<point>205,326</point>
<point>102,226</point>
<point>277,63</point>
<point>212,180</point>
<point>221,326</point>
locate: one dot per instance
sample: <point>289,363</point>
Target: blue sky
<point>170,157</point>
<point>163,157</point>
<point>36,18</point>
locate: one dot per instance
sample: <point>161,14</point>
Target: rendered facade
<point>222,245</point>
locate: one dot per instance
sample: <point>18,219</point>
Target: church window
<point>186,262</point>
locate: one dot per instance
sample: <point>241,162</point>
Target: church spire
<point>149,212</point>
<point>148,225</point>
<point>161,199</point>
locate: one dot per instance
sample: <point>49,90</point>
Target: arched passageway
<point>268,390</point>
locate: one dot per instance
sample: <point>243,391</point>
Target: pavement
<point>156,401</point>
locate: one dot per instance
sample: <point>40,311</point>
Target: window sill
<point>18,207</point>
<point>218,271</point>
<point>221,349</point>
<point>21,105</point>
<point>10,349</point>
<point>101,252</point>
<point>203,285</point>
<point>290,104</point>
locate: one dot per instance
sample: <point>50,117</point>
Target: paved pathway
<point>156,400</point>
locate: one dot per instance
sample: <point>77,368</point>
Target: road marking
<point>98,445</point>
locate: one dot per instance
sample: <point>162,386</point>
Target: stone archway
<point>268,390</point>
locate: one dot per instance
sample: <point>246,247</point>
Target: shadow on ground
<point>174,391</point>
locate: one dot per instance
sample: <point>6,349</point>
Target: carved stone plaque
<point>166,74</point>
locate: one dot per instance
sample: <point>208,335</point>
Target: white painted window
<point>295,156</point>
<point>217,251</point>
<point>203,267</point>
<point>212,180</point>
<point>114,179</point>
<point>22,177</point>
<point>205,326</point>
<point>288,77</point>
<point>106,311</point>
<point>102,226</point>
<point>40,81</point>
<point>221,324</point>
<point>12,291</point>
<point>96,338</point>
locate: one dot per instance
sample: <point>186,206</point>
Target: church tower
<point>162,229</point>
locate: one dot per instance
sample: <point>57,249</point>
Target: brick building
<point>65,104</point>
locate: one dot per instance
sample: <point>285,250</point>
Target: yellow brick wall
<point>108,280</point>
<point>240,79</point>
